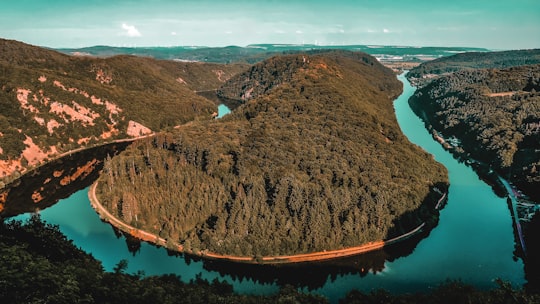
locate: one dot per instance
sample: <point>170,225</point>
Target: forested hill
<point>496,115</point>
<point>51,103</point>
<point>263,77</point>
<point>314,160</point>
<point>427,71</point>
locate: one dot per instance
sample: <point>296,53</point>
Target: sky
<point>493,24</point>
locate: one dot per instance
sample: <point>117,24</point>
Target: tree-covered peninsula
<point>495,116</point>
<point>313,160</point>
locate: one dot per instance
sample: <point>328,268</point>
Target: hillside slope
<point>427,71</point>
<point>494,113</point>
<point>314,160</point>
<point>52,103</point>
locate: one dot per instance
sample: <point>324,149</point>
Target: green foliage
<point>496,115</point>
<point>121,266</point>
<point>450,292</point>
<point>313,161</point>
<point>259,52</point>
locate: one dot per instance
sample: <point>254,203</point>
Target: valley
<point>272,131</point>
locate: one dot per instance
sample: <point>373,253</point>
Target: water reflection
<point>42,187</point>
<point>309,275</point>
<point>313,276</point>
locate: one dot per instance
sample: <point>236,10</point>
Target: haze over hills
<point>256,52</point>
<point>52,103</point>
<point>427,71</point>
<point>314,160</point>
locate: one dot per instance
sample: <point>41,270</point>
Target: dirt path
<point>282,259</point>
<point>500,94</point>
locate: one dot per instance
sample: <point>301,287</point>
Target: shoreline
<point>29,170</point>
<point>142,235</point>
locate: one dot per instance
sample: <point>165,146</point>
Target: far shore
<point>282,259</point>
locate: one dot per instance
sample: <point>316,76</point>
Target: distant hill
<point>427,71</point>
<point>496,115</point>
<point>52,103</point>
<point>258,52</point>
<point>313,160</point>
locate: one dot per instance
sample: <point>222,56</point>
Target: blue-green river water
<point>473,241</point>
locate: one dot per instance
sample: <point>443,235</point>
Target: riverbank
<point>522,208</point>
<point>284,259</point>
<point>7,181</point>
<point>35,188</point>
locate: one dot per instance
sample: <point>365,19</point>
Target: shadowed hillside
<point>495,115</point>
<point>314,160</point>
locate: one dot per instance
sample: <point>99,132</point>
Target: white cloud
<point>386,31</point>
<point>299,32</point>
<point>131,30</point>
<point>173,33</point>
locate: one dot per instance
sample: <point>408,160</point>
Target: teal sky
<point>494,24</point>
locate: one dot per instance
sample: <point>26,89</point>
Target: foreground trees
<point>39,264</point>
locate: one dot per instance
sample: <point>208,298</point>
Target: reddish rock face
<point>136,129</point>
<point>80,172</point>
<point>46,184</point>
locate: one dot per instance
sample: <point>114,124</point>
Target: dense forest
<point>424,73</point>
<point>496,115</point>
<point>52,102</point>
<point>39,265</point>
<point>313,160</point>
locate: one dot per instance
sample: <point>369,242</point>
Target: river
<point>473,242</point>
